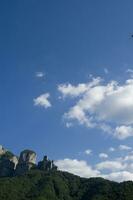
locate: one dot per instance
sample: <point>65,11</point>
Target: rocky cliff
<point>11,165</point>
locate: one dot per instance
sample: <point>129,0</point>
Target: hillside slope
<point>56,185</point>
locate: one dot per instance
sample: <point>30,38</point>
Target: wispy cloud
<point>130,71</point>
<point>106,71</point>
<point>124,147</point>
<point>40,74</point>
<point>69,124</point>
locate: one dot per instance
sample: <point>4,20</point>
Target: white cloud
<point>117,169</point>
<point>69,124</point>
<point>103,155</point>
<point>101,105</point>
<point>75,91</point>
<point>77,167</point>
<point>111,165</point>
<point>88,152</point>
<point>128,158</point>
<point>124,147</point>
<point>76,113</point>
<point>68,89</point>
<point>123,132</point>
<point>119,176</point>
<point>42,100</point>
<point>40,74</point>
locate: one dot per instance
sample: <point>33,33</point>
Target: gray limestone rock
<point>14,160</point>
<point>26,161</point>
<point>27,156</point>
<point>2,150</point>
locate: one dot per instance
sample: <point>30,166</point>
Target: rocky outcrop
<point>11,165</point>
<point>2,150</point>
<point>27,160</point>
<point>27,156</point>
<point>8,162</point>
<point>14,160</point>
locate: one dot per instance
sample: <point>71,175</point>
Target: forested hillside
<point>56,185</point>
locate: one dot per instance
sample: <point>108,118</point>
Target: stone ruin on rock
<point>11,165</point>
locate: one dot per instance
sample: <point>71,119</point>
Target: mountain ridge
<point>57,185</point>
<point>22,179</point>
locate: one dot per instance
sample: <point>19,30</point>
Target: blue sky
<point>67,43</point>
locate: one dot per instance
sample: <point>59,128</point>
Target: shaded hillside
<point>56,185</point>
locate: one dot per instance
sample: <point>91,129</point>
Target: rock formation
<point>27,160</point>
<point>8,162</point>
<point>2,150</point>
<point>14,160</point>
<point>11,165</point>
<point>27,156</point>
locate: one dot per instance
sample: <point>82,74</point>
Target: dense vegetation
<point>39,185</point>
